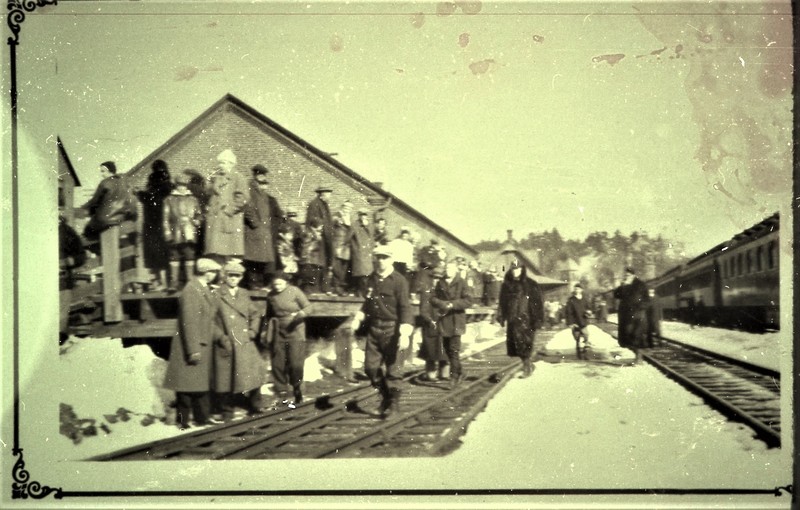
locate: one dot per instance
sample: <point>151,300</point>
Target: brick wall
<point>294,172</point>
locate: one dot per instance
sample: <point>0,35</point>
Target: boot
<point>174,274</point>
<point>456,380</point>
<point>527,368</point>
<point>298,394</point>
<point>444,371</point>
<point>391,403</point>
<point>189,266</point>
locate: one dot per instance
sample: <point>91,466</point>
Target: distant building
<point>67,182</point>
<point>296,168</point>
<point>509,251</point>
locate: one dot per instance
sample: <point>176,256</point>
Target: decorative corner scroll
<point>784,488</point>
<point>24,489</point>
<point>16,15</point>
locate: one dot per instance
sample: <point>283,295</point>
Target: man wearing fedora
<point>319,209</point>
<point>387,315</point>
<point>189,370</point>
<point>262,218</point>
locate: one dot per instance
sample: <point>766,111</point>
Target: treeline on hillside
<point>600,256</point>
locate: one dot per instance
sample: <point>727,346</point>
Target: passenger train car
<point>734,284</point>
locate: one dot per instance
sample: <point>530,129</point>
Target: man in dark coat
<point>431,350</point>
<point>262,217</point>
<point>228,194</point>
<point>238,365</point>
<point>390,323</point>
<point>632,295</point>
<point>318,209</point>
<point>653,314</point>
<point>361,246</point>
<point>190,358</point>
<point>521,307</point>
<point>111,204</point>
<point>577,316</point>
<point>451,297</point>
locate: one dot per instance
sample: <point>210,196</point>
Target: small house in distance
<point>67,182</point>
<point>296,168</point>
<point>509,251</point>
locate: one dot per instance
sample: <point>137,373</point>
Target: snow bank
<point>603,346</point>
<point>111,397</point>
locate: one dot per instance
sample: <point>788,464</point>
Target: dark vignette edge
<point>23,488</point>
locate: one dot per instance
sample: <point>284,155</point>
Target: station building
<point>296,168</point>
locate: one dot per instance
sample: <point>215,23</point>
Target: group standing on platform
<point>244,239</point>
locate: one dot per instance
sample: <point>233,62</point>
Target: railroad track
<point>742,391</point>
<point>347,423</point>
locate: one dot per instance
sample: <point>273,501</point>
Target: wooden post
<point>112,285</point>
<point>343,343</point>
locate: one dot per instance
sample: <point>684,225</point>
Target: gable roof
<point>64,155</point>
<point>311,150</point>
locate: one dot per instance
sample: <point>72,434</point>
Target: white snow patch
<point>603,346</point>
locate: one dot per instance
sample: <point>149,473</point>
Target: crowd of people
<point>232,237</point>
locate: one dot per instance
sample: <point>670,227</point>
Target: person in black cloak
<point>521,310</point>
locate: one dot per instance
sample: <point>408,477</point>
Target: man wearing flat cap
<point>238,365</point>
<point>387,315</point>
<point>632,295</point>
<point>262,218</point>
<point>189,370</point>
<point>319,209</point>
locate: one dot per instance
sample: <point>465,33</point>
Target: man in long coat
<point>190,357</point>
<point>238,365</point>
<point>521,306</point>
<point>318,209</point>
<point>451,297</point>
<point>262,218</point>
<point>632,295</point>
<point>228,194</point>
<point>362,244</point>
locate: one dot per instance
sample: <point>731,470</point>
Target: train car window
<point>749,261</point>
<point>759,258</point>
<point>740,264</point>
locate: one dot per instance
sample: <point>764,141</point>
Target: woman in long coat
<point>432,348</point>
<point>228,194</point>
<point>238,365</point>
<point>522,310</point>
<point>156,252</point>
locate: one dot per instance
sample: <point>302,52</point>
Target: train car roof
<point>760,229</point>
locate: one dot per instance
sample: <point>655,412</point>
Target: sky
<point>484,117</point>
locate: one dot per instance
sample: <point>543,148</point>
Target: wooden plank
<point>112,285</point>
<point>157,328</point>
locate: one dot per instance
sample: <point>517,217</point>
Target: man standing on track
<point>190,358</point>
<point>451,296</point>
<point>632,295</point>
<point>387,315</point>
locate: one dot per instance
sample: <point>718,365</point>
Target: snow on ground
<point>603,346</point>
<point>113,397</point>
<point>590,425</point>
<point>762,349</point>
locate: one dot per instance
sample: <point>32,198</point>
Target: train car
<point>734,284</point>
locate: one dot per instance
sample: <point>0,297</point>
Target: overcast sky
<point>484,117</point>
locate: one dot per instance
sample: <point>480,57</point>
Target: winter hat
<point>227,155</point>
<point>110,165</point>
<point>207,265</point>
<point>233,267</point>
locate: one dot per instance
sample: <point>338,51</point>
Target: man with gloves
<point>387,315</point>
